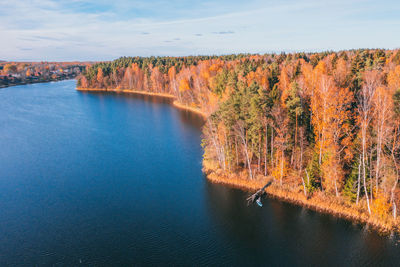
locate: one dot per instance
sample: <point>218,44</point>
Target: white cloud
<point>90,30</point>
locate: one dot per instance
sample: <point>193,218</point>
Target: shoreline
<point>175,102</point>
<point>319,203</point>
<point>33,82</point>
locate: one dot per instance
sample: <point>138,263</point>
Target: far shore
<point>35,81</point>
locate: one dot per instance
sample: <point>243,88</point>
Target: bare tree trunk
<point>266,150</point>
<point>364,168</point>
<point>359,176</point>
<point>304,185</point>
<point>337,193</point>
<point>295,144</point>
<point>370,177</point>
<point>272,146</point>
<point>237,154</point>
<point>259,153</point>
<point>282,158</point>
<point>320,152</point>
<point>378,161</point>
<point>392,200</point>
<point>229,149</point>
<point>242,135</point>
<point>248,160</point>
<point>308,178</point>
<point>301,150</point>
<point>301,163</point>
<point>218,148</point>
<point>372,81</point>
<point>252,149</point>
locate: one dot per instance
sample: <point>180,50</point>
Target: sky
<point>92,30</point>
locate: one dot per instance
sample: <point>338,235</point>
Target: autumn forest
<point>324,126</point>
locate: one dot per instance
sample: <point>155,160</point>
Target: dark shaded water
<point>106,179</point>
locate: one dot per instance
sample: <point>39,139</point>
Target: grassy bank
<point>336,206</point>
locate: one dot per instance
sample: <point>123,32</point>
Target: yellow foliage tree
<point>184,85</point>
<point>380,206</point>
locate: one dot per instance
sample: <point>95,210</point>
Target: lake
<point>97,179</point>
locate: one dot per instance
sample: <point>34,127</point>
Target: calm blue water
<point>107,179</point>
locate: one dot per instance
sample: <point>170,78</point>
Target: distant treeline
<point>14,73</point>
<point>320,123</point>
